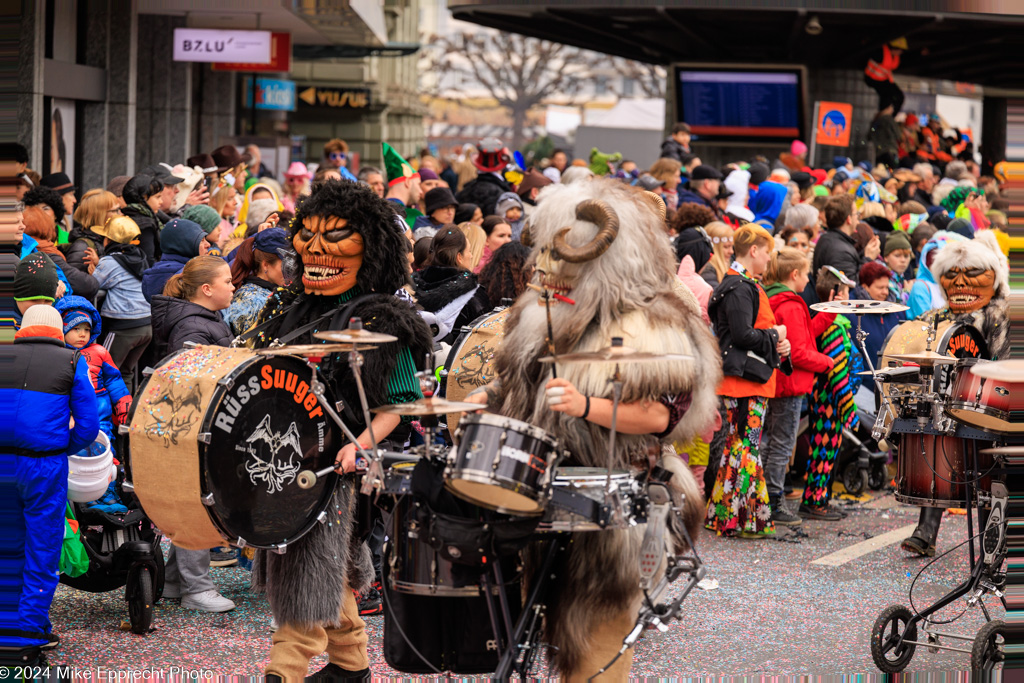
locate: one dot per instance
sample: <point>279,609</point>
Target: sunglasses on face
<point>338,156</point>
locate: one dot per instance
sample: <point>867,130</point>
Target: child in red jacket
<point>786,277</point>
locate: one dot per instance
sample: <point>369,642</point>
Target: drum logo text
<point>522,456</point>
<point>964,342</point>
<point>270,378</point>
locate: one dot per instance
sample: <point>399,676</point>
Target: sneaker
<point>207,601</point>
<point>223,557</point>
<point>784,517</point>
<point>821,514</point>
<point>370,603</point>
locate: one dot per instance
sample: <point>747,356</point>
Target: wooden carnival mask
<point>331,254</point>
<point>968,289</point>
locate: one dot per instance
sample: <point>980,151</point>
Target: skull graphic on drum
<point>968,289</point>
<point>331,252</point>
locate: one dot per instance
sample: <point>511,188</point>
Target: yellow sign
<point>338,98</point>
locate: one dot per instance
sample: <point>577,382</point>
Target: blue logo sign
<point>271,94</point>
<point>834,124</point>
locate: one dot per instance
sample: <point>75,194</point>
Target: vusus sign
<point>339,98</point>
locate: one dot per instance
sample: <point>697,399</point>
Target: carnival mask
<point>559,263</point>
<point>331,254</point>
<point>968,289</point>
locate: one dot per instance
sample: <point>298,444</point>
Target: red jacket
<point>801,331</point>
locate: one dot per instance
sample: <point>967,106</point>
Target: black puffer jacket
<point>149,230</point>
<point>79,240</point>
<point>484,192</point>
<point>438,288</point>
<point>176,321</point>
<point>835,248</point>
<point>733,310</point>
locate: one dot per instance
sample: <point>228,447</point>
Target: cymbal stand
<point>610,498</point>
<point>374,477</point>
<point>316,387</point>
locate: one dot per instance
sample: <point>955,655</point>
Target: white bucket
<point>89,477</point>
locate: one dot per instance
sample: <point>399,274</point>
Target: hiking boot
<point>918,547</point>
<point>822,514</point>
<point>370,603</point>
<point>207,601</point>
<point>223,557</point>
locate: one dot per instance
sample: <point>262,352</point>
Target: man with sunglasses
<point>336,157</point>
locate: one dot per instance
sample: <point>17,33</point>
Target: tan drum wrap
<point>164,442</point>
<point>475,365</point>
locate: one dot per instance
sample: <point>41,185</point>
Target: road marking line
<point>864,547</point>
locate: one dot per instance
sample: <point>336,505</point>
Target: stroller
<point>123,548</point>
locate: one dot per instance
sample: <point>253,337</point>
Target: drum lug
<point>124,429</point>
<point>128,486</point>
<point>205,437</point>
<point>227,382</point>
<point>280,548</point>
<point>498,453</point>
<point>191,345</point>
<point>322,517</point>
<point>208,500</point>
<point>240,542</point>
<point>148,371</point>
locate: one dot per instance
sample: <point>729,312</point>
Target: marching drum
<point>415,567</point>
<point>470,362</point>
<point>988,403</point>
<point>217,437</point>
<point>502,464</point>
<point>588,482</point>
<point>933,470</point>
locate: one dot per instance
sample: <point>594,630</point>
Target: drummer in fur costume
<point>602,244</point>
<point>349,260</point>
<point>975,280</point>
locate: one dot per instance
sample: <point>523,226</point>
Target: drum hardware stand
<point>612,501</point>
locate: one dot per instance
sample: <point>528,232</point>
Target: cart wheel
<point>988,649</point>
<point>855,479</point>
<point>877,476</point>
<point>140,601</point>
<point>890,624</point>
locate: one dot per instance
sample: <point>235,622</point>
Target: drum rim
<point>427,590</point>
<point>972,407</point>
<point>484,479</point>
<point>216,399</point>
<point>504,422</point>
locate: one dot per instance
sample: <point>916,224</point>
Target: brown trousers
<point>345,644</point>
<point>605,640</point>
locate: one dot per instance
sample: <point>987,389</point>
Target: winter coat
<point>507,200</point>
<point>112,397</point>
<point>688,197</point>
<point>835,248</point>
<point>29,245</point>
<point>671,149</point>
<point>448,294</point>
<point>878,326</point>
<point>149,230</point>
<point>81,283</point>
<point>176,321</point>
<point>120,274</point>
<point>79,240</point>
<point>801,331</point>
<point>927,294</point>
<point>247,303</point>
<point>742,315</point>
<point>484,192</point>
<point>154,279</point>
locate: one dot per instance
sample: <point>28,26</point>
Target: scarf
<point>129,257</point>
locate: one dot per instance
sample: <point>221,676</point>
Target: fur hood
<point>437,286</point>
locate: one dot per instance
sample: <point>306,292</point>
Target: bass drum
<point>470,362</point>
<point>217,437</point>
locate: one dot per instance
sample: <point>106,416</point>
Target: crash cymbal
<point>427,406</point>
<point>313,350</point>
<point>1006,370</point>
<point>355,336</point>
<point>924,358</point>
<point>1003,450</point>
<point>858,306</point>
<point>616,354</point>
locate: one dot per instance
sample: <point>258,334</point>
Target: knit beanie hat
<point>205,216</point>
<point>181,238</point>
<point>897,240</point>
<point>44,316</point>
<point>74,318</point>
<point>961,226</point>
<point>35,278</point>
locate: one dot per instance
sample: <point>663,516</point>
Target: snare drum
<point>588,482</point>
<point>993,405</point>
<point>502,464</point>
<point>216,439</point>
<point>415,568</point>
<point>932,470</point>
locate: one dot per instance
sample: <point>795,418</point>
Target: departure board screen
<point>727,104</point>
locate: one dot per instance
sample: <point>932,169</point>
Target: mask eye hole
<point>305,235</point>
<point>974,272</point>
<point>338,235</point>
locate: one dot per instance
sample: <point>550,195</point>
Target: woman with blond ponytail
<point>189,308</point>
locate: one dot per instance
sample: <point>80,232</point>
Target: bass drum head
<point>954,339</point>
<point>470,362</point>
<point>265,426</point>
<point>140,390</point>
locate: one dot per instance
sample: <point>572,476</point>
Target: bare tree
<point>517,71</point>
<point>649,78</point>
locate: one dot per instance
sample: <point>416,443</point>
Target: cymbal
<point>427,406</point>
<point>616,354</point>
<point>925,358</point>
<point>355,336</point>
<point>858,306</point>
<point>1003,450</point>
<point>1006,370</point>
<point>313,350</point>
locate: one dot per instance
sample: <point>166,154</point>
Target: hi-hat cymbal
<point>925,358</point>
<point>858,306</point>
<point>427,406</point>
<point>355,337</point>
<point>616,354</point>
<point>313,350</point>
<point>1006,370</point>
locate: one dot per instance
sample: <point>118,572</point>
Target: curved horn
<point>600,214</point>
<point>524,237</point>
<point>655,202</point>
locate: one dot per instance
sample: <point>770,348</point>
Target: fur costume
<point>306,584</point>
<point>629,291</point>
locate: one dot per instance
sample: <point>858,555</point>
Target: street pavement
<point>774,610</point>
